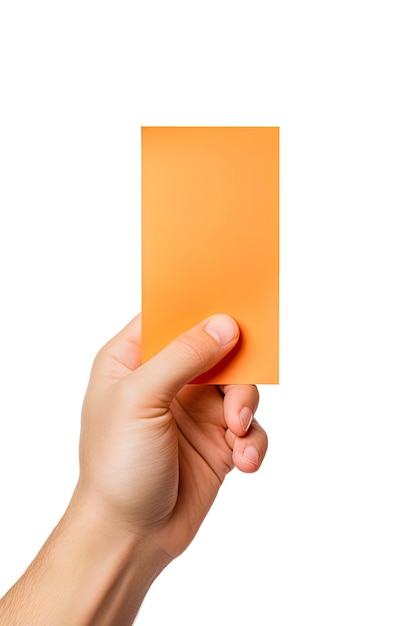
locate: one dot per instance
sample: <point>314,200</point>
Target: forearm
<point>88,573</point>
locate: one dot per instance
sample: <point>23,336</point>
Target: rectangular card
<point>210,241</point>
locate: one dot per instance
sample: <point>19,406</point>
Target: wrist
<point>90,572</point>
<point>114,565</point>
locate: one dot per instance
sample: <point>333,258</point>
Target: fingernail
<point>251,454</point>
<point>246,417</point>
<point>222,328</point>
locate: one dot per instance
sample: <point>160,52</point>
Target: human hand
<point>154,450</point>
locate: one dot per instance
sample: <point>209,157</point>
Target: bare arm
<point>89,572</point>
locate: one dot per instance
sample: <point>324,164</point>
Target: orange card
<point>210,241</point>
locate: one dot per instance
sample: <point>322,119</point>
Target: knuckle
<point>197,351</point>
<point>99,358</point>
<point>102,356</point>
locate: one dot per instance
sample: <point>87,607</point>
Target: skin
<point>154,452</point>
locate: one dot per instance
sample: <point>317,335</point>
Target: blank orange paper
<point>210,235</point>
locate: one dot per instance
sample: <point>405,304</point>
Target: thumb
<point>186,357</point>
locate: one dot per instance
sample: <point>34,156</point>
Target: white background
<point>325,533</point>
